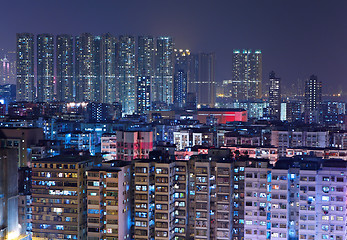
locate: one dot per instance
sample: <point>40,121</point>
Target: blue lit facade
<point>162,91</point>
<point>143,94</point>
<point>87,83</point>
<point>182,72</point>
<point>25,67</point>
<point>108,69</point>
<point>65,68</point>
<point>45,68</point>
<point>126,74</point>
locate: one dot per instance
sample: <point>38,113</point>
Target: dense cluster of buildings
<point>142,75</point>
<point>106,137</point>
<point>215,194</point>
<point>203,174</point>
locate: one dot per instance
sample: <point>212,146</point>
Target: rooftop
<point>66,159</point>
<point>221,110</point>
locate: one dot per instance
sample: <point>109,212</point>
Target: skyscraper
<point>126,73</point>
<point>97,69</point>
<point>145,57</point>
<point>205,84</point>
<point>182,68</point>
<point>247,74</point>
<point>65,68</point>
<point>313,100</point>
<point>108,69</point>
<point>145,72</point>
<point>275,96</point>
<point>45,68</point>
<point>87,88</point>
<point>25,67</point>
<point>163,84</point>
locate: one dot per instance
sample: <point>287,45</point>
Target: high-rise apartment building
<point>145,72</point>
<point>86,52</point>
<point>313,100</point>
<point>162,91</point>
<point>45,68</point>
<point>210,198</point>
<point>181,75</point>
<point>25,67</point>
<point>126,73</point>
<point>98,74</point>
<point>205,83</point>
<point>108,69</point>
<point>109,204</point>
<point>144,208</point>
<point>275,96</point>
<point>256,202</point>
<point>145,57</point>
<point>65,68</point>
<point>59,196</point>
<point>160,199</point>
<point>247,74</point>
<point>193,73</point>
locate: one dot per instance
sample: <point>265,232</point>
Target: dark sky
<point>297,37</point>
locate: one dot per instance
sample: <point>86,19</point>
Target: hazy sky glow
<point>298,38</point>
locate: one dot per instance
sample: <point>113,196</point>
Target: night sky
<point>298,37</point>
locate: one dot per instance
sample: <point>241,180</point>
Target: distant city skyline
<point>112,69</point>
<point>297,38</point>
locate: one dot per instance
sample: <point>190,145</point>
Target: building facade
<point>109,184</point>
<point>65,68</point>
<point>313,100</point>
<point>45,68</point>
<point>275,96</point>
<point>162,91</point>
<point>206,84</point>
<point>181,75</point>
<point>87,84</point>
<point>25,68</point>
<point>59,208</point>
<point>247,74</point>
<point>108,69</point>
<point>126,74</point>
